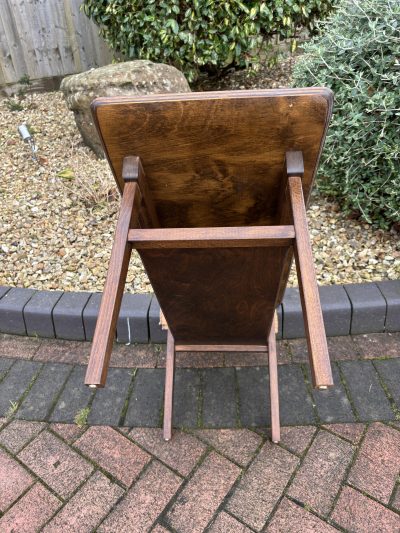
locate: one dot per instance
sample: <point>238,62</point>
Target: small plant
<point>357,55</point>
<point>203,35</point>
<point>15,103</point>
<point>11,410</point>
<point>81,417</point>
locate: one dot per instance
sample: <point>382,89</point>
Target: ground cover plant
<point>357,55</point>
<point>204,35</point>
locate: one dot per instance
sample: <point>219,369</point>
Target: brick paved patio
<point>337,467</point>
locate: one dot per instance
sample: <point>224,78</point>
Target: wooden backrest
<point>214,160</point>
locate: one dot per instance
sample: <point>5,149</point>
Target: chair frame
<point>137,211</point>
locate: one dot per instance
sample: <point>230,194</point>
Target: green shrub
<point>357,55</point>
<point>203,35</point>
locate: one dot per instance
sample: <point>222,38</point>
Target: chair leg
<point>273,385</point>
<point>169,387</point>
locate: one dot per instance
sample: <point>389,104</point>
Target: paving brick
<point>31,512</point>
<point>366,393</point>
<point>336,310</point>
<point>186,397</point>
<point>262,485</point>
<point>390,372</point>
<point>108,403</point>
<point>113,452</point>
<point>219,397</point>
<point>69,432</point>
<point>333,404</point>
<point>132,325</point>
<point>368,308</point>
<point>339,348</point>
<point>239,445</point>
<point>293,322</point>
<point>60,351</point>
<point>159,529</point>
<point>295,403</point>
<point>11,310</point>
<point>134,356</point>
<point>18,433</point>
<point>5,365</point>
<point>181,453</point>
<point>74,397</point>
<point>38,313</point>
<point>16,382</point>
<point>254,402</point>
<point>225,523</point>
<point>18,347</point>
<point>157,334</point>
<point>87,507</point>
<point>41,397</point>
<point>320,476</point>
<point>203,494</point>
<point>67,316</point>
<point>200,359</point>
<point>297,439</point>
<point>90,314</point>
<point>377,465</point>
<point>3,290</point>
<point>145,404</point>
<point>293,518</point>
<point>351,432</point>
<point>60,468</point>
<point>14,480</point>
<point>391,292</point>
<point>242,359</point>
<point>143,502</point>
<point>378,345</point>
<point>355,512</point>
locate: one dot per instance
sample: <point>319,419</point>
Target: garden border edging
<point>349,309</point>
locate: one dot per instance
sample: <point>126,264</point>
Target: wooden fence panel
<point>47,38</point>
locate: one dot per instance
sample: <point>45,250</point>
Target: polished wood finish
<point>216,197</point>
<point>215,158</point>
<point>273,385</point>
<point>113,290</point>
<point>313,320</point>
<point>240,237</point>
<point>169,387</point>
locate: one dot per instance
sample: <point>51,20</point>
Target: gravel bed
<point>58,216</point>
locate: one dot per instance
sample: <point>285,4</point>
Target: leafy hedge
<point>202,35</point>
<point>357,55</point>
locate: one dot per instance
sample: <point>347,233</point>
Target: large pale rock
<point>119,79</point>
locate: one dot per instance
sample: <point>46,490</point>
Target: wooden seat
<point>214,187</point>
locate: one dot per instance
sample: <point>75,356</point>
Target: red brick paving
<point>55,463</point>
<point>378,345</point>
<point>378,463</point>
<point>297,439</point>
<point>225,523</point>
<point>262,485</point>
<point>31,512</point>
<point>319,478</point>
<point>208,493</point>
<point>18,433</point>
<point>292,518</point>
<point>60,351</point>
<point>14,480</point>
<point>181,454</point>
<point>196,504</point>
<point>351,432</point>
<point>143,502</point>
<point>87,507</point>
<point>239,445</point>
<point>113,452</point>
<point>18,347</point>
<point>355,512</point>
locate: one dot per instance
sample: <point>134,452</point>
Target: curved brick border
<point>347,309</point>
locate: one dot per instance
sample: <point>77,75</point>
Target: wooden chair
<point>214,190</point>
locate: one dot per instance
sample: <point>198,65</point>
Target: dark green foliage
<point>357,55</point>
<point>203,35</point>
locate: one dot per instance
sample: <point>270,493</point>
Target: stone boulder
<point>120,79</point>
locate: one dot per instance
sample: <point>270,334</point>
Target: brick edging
<point>348,309</point>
